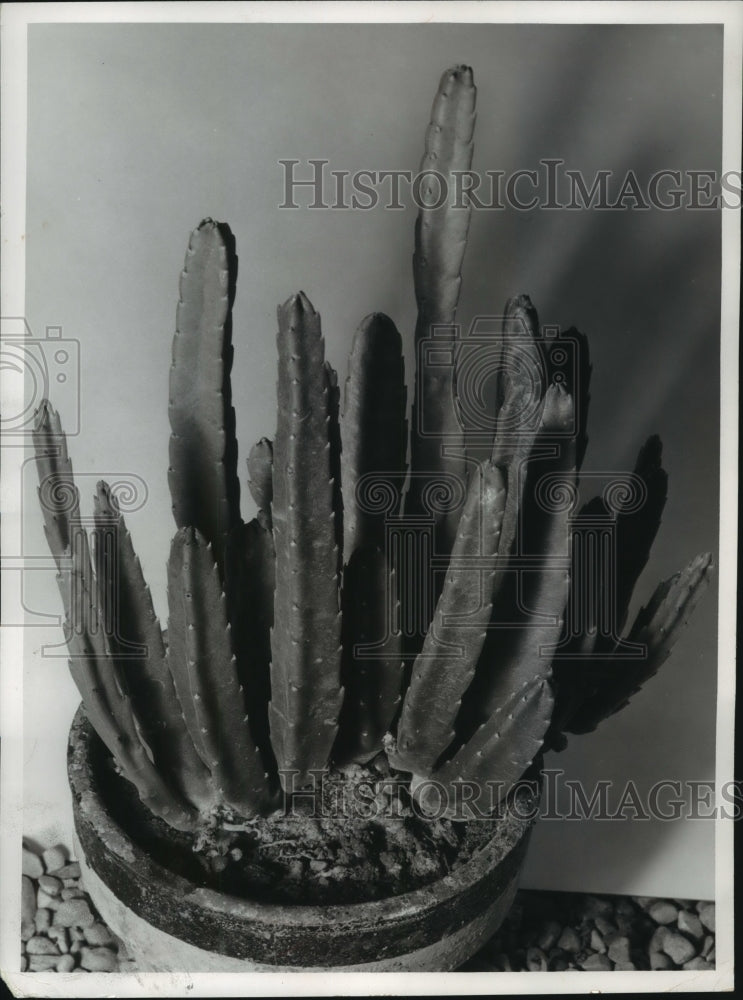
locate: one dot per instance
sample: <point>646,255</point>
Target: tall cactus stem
<point>437,437</point>
<point>306,649</point>
<point>203,480</point>
<point>203,668</point>
<point>136,644</point>
<point>446,664</point>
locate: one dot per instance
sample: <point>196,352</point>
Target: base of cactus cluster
<point>170,923</point>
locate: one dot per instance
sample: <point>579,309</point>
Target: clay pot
<point>169,923</point>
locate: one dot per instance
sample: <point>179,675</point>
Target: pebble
<point>42,963</point>
<point>663,912</point>
<point>43,920</point>
<point>65,964</point>
<point>24,963</point>
<point>707,916</point>
<point>74,912</point>
<point>73,893</point>
<point>596,963</point>
<point>659,936</point>
<point>619,950</point>
<point>658,960</point>
<point>31,864</point>
<point>690,923</point>
<point>711,957</point>
<point>54,858</point>
<point>569,941</point>
<point>28,929</point>
<point>709,943</point>
<point>71,870</point>
<point>679,948</point>
<point>41,946</point>
<point>536,960</point>
<point>698,964</point>
<point>550,935</point>
<point>61,936</point>
<point>597,942</point>
<point>51,885</point>
<point>98,934</point>
<point>45,901</point>
<point>605,926</point>
<point>624,966</point>
<point>98,959</point>
<point>28,899</point>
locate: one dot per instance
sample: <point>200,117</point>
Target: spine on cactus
<point>373,468</point>
<point>306,692</point>
<point>203,478</point>
<point>136,644</point>
<point>446,665</point>
<point>203,668</point>
<point>440,242</point>
<point>92,667</point>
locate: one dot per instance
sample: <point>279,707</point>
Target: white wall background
<point>138,132</point>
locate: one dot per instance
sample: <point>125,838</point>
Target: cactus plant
<point>288,635</point>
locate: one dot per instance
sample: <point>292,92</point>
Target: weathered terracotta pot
<point>171,924</point>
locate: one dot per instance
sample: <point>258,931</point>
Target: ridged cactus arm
<point>657,626</point>
<point>58,495</point>
<point>530,656</point>
<point>92,667</point>
<point>440,242</point>
<point>306,692</point>
<point>204,674</point>
<point>136,643</point>
<point>492,760</point>
<point>446,665</point>
<point>334,440</point>
<point>520,412</point>
<point>372,656</point>
<point>203,452</point>
<point>250,580</point>
<point>374,432</point>
<point>260,479</point>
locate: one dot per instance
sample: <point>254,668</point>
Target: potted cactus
<point>330,758</point>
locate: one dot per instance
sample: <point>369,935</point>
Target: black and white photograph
<point>369,497</point>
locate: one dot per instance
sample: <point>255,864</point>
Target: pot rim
<point>88,802</point>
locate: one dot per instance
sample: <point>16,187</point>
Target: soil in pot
<point>356,838</point>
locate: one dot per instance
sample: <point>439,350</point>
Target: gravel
<point>61,930</point>
<point>545,931</point>
<point>600,934</point>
